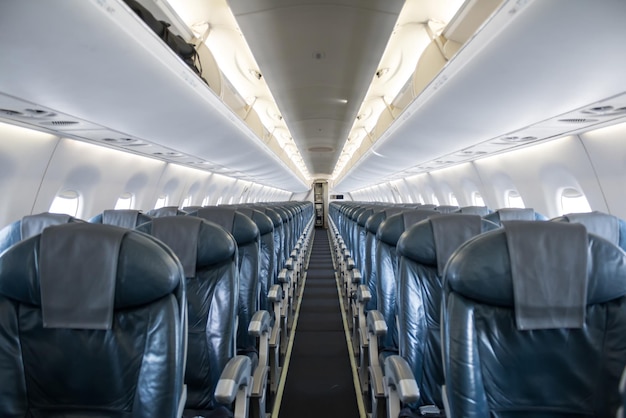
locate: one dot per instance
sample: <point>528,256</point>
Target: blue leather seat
<point>277,220</point>
<point>514,214</point>
<point>371,225</point>
<point>208,255</point>
<point>30,226</point>
<point>423,251</point>
<point>534,323</point>
<point>247,236</point>
<point>387,237</point>
<point>607,226</point>
<point>266,252</point>
<point>125,218</point>
<point>93,325</point>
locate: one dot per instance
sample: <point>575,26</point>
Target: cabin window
<point>420,199</point>
<point>161,201</point>
<point>453,200</point>
<point>187,201</point>
<point>434,200</point>
<point>230,201</point>
<point>125,201</point>
<point>219,201</point>
<point>409,199</point>
<point>573,201</point>
<point>205,201</point>
<point>65,202</point>
<point>477,199</point>
<point>514,200</point>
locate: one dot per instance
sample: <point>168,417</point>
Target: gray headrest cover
<point>602,224</point>
<point>475,210</point>
<point>516,214</point>
<point>549,272</point>
<point>78,267</point>
<point>180,233</point>
<point>122,218</point>
<point>32,225</point>
<point>450,231</point>
<point>223,217</point>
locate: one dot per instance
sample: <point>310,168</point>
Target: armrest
<point>236,373</point>
<point>260,323</point>
<point>283,276</point>
<point>356,276</point>
<point>363,294</point>
<point>399,376</point>
<point>376,324</point>
<point>350,263</point>
<point>289,264</point>
<point>275,294</point>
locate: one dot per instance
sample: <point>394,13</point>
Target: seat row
<point>155,314</point>
<point>499,315</point>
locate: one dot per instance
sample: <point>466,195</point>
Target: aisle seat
<point>93,324</point>
<point>208,255</point>
<point>534,323</point>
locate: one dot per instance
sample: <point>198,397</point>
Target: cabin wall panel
<point>539,174</point>
<point>424,188</point>
<point>24,156</point>
<point>99,175</point>
<point>179,182</point>
<point>607,151</point>
<point>461,180</point>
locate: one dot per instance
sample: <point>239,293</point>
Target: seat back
<point>387,238</point>
<point>607,226</point>
<point>423,250</point>
<point>124,218</point>
<point>534,323</point>
<point>247,236</point>
<point>267,278</point>
<point>278,237</point>
<point>514,214</point>
<point>208,255</point>
<point>371,225</point>
<point>31,225</point>
<point>92,319</point>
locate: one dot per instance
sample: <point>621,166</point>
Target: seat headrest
<point>373,222</point>
<point>391,228</point>
<point>362,219</point>
<point>196,242</point>
<point>273,215</point>
<point>607,226</point>
<point>433,241</point>
<point>166,211</point>
<point>483,268</point>
<point>446,208</point>
<point>516,214</point>
<point>32,225</point>
<point>29,226</point>
<point>262,221</point>
<point>239,225</point>
<point>125,218</point>
<point>475,210</point>
<point>79,272</point>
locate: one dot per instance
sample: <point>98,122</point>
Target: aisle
<point>319,380</point>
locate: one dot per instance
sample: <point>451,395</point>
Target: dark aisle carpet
<point>319,380</point>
